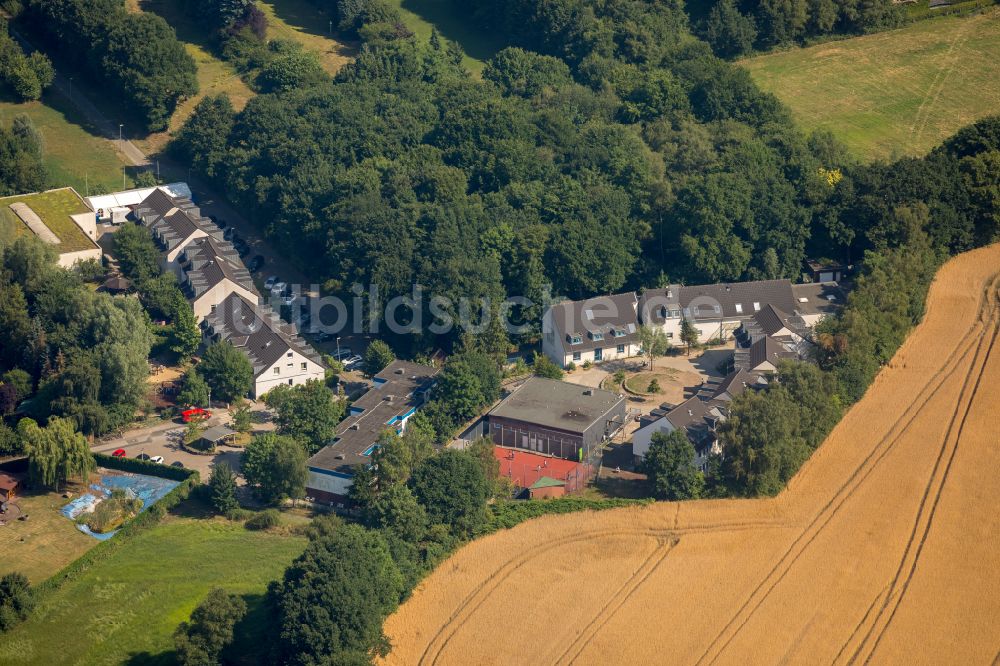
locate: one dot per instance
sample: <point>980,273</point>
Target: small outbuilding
<point>10,485</point>
<point>547,487</point>
<point>214,436</point>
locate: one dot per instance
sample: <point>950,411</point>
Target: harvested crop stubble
<point>885,548</point>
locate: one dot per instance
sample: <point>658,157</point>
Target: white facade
<point>104,204</point>
<point>67,259</point>
<point>329,481</point>
<point>292,369</point>
<point>561,352</point>
<point>642,437</point>
<point>203,305</point>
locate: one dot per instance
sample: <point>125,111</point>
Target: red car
<point>119,453</point>
<point>195,414</point>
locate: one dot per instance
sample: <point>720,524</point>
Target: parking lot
<point>165,440</point>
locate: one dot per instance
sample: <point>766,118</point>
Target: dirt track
<point>885,548</point>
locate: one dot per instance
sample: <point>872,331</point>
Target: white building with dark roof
<point>275,349</point>
<point>598,329</point>
<point>606,327</point>
<point>212,270</point>
<point>174,223</point>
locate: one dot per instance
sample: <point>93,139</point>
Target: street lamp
<point>338,347</point>
<point>121,144</point>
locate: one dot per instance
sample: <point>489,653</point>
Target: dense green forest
<point>75,353</point>
<point>135,58</point>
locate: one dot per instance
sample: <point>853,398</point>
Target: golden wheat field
<point>884,549</point>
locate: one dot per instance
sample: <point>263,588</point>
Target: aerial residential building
<point>115,207</point>
<point>557,418</point>
<point>699,417</point>
<point>211,271</point>
<point>598,329</point>
<point>175,223</point>
<point>397,393</point>
<point>606,327</point>
<point>276,351</point>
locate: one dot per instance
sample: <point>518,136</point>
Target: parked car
<point>353,362</point>
<point>278,288</point>
<point>229,233</point>
<point>324,337</point>
<point>157,459</point>
<point>270,282</point>
<point>142,456</point>
<point>195,414</point>
<point>118,453</point>
<point>241,246</point>
<point>177,463</point>
<point>343,353</point>
<point>219,222</point>
<point>288,299</point>
<point>255,264</point>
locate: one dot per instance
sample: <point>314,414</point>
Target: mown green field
<point>75,153</point>
<point>125,609</point>
<point>893,93</point>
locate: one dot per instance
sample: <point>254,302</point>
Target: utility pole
<point>121,145</point>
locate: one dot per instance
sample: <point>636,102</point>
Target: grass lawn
<point>639,383</point>
<point>893,93</point>
<point>54,208</point>
<point>421,16</point>
<point>126,608</point>
<point>304,22</point>
<point>75,154</point>
<point>43,544</point>
<point>215,76</point>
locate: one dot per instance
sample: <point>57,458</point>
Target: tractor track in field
<point>761,592</point>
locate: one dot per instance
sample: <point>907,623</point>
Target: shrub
<point>263,520</point>
<point>654,386</point>
<point>16,599</point>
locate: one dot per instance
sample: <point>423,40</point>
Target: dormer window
<point>574,339</point>
<point>596,335</point>
<point>619,333</point>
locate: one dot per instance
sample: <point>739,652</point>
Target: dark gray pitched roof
<point>767,349</point>
<point>597,322</point>
<point>173,220</point>
<point>401,387</point>
<point>209,261</point>
<point>256,331</point>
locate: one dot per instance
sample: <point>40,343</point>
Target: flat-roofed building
<point>557,418</point>
<point>396,394</point>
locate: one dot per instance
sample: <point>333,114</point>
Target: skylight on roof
<point>803,299</point>
<point>739,308</point>
<point>756,307</point>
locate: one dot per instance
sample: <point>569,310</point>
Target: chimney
<point>589,392</point>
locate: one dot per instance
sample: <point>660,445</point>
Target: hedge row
<point>508,513</point>
<point>144,467</point>
<point>148,518</point>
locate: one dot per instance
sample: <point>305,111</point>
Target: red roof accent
<point>524,468</point>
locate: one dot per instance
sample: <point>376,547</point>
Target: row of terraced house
<point>222,294</point>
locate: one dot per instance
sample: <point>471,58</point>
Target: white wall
<point>67,259</point>
<point>290,369</point>
<point>610,353</point>
<point>642,437</point>
<point>707,330</point>
<point>335,484</point>
<point>203,305</point>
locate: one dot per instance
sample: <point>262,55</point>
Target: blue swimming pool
<point>150,489</point>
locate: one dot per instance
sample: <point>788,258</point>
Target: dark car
<point>255,264</point>
<point>177,463</point>
<point>241,246</point>
<point>229,234</point>
<point>219,222</point>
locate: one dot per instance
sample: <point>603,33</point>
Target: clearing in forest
<point>884,548</point>
<point>893,93</point>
